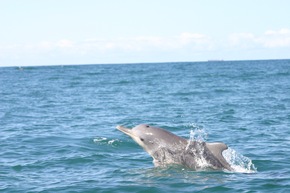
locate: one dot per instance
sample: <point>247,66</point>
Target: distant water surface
<point>57,125</point>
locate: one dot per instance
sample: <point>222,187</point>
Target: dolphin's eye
<point>141,139</point>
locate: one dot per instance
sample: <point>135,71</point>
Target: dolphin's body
<point>167,148</point>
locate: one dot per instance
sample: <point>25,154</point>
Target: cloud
<point>241,39</point>
<point>143,43</point>
<point>65,44</point>
<point>269,39</point>
<point>278,32</point>
<point>138,48</point>
<point>185,40</point>
<point>274,39</point>
<point>184,46</point>
<point>50,45</point>
<point>195,38</point>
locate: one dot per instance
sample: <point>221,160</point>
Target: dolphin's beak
<point>125,130</point>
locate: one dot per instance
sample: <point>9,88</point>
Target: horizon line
<point>136,63</point>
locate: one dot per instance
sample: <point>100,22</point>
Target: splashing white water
<point>197,133</point>
<point>239,162</point>
<point>105,141</point>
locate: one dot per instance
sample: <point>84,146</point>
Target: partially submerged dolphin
<point>166,148</point>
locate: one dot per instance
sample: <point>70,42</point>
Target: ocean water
<point>57,125</point>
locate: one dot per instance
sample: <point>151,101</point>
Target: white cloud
<point>274,39</point>
<point>241,39</point>
<point>184,46</point>
<point>269,39</point>
<point>195,38</point>
<point>65,43</point>
<point>46,45</point>
<point>186,40</point>
<point>98,50</point>
<point>278,32</point>
<point>145,43</point>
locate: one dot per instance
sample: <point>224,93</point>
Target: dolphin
<point>166,148</point>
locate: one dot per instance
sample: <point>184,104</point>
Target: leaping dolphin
<point>166,148</point>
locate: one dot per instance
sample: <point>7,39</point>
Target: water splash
<point>197,133</point>
<point>105,141</point>
<point>239,162</point>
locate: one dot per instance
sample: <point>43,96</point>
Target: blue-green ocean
<point>57,125</point>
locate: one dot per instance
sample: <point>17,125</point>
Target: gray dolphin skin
<point>166,148</point>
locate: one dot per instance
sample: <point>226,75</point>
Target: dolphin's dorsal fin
<point>216,149</point>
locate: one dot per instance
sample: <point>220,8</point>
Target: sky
<point>60,32</point>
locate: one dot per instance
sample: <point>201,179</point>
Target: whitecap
<point>100,139</point>
<point>106,141</point>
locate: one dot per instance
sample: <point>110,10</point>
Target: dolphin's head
<point>153,138</point>
<point>145,135</point>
